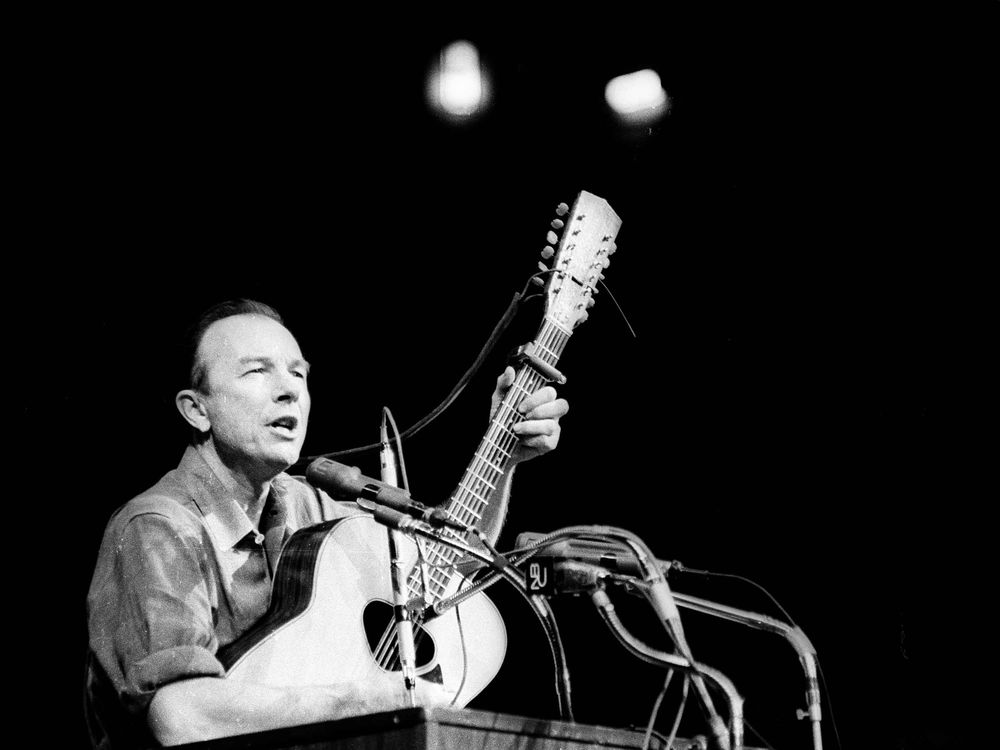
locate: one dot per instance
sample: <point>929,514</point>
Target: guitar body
<point>332,604</point>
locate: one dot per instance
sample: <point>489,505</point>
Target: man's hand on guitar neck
<point>539,432</point>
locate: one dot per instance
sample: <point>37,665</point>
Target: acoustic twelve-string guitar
<point>331,619</point>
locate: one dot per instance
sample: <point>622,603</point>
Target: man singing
<point>186,567</point>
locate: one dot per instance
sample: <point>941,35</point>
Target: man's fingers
<point>540,443</point>
<point>541,396</point>
<point>534,428</point>
<point>553,409</point>
<point>505,379</point>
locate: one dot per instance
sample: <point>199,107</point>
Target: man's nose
<point>289,387</point>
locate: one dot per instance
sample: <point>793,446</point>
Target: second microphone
<point>348,483</point>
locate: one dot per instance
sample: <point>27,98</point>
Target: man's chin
<point>280,459</point>
<point>288,458</point>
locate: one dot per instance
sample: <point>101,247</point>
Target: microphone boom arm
<point>659,596</point>
<point>793,634</point>
<point>661,658</point>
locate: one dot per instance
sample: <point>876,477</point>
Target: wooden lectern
<point>441,729</point>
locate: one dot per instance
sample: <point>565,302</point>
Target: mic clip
<point>435,517</point>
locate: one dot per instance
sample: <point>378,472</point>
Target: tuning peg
<point>591,302</point>
<point>611,248</point>
<point>605,262</point>
<point>558,224</point>
<point>537,281</point>
<point>583,316</point>
<point>548,252</point>
<point>562,209</point>
<point>552,238</point>
<point>543,267</point>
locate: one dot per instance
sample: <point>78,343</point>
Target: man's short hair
<point>197,372</point>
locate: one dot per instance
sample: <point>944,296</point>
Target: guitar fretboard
<point>489,463</point>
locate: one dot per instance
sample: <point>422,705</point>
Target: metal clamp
<point>526,353</point>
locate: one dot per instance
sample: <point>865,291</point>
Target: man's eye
<point>299,374</point>
<point>256,369</point>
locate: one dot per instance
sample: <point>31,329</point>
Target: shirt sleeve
<point>158,626</point>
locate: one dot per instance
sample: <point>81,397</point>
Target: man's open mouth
<point>285,424</point>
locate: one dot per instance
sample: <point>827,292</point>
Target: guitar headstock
<point>578,263</point>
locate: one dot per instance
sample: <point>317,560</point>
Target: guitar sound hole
<point>380,628</point>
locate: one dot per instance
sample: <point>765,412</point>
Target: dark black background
<point>799,258</point>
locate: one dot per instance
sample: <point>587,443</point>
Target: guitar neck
<point>577,267</point>
<point>492,458</point>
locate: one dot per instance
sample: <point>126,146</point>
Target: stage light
<point>638,98</point>
<point>458,86</point>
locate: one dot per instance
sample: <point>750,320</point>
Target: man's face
<point>257,399</point>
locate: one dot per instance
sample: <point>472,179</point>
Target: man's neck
<point>250,492</point>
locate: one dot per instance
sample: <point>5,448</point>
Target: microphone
<point>617,558</point>
<point>348,483</point>
<point>404,625</point>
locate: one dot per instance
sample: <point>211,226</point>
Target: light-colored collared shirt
<point>181,572</point>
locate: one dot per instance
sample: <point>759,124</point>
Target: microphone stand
<point>661,658</point>
<point>794,635</point>
<point>658,594</point>
<point>401,612</point>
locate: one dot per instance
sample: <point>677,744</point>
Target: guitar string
<point>499,441</point>
<point>552,340</point>
<point>386,652</point>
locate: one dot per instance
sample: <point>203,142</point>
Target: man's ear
<point>190,405</point>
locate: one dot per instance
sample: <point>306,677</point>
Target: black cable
<point>819,667</point>
<point>413,429</point>
<point>829,703</point>
<point>710,573</point>
<point>465,656</point>
<point>624,316</point>
<point>656,709</point>
<point>387,417</point>
<point>759,736</point>
<point>680,712</point>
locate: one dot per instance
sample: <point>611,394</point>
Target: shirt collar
<point>225,519</point>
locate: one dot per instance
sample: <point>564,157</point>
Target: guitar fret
<point>470,511</point>
<point>485,481</point>
<point>469,480</point>
<point>518,387</point>
<point>507,411</point>
<point>475,495</point>
<point>462,506</point>
<point>506,430</point>
<point>496,445</point>
<point>541,348</point>
<point>463,502</point>
<point>480,491</point>
<point>468,515</point>
<point>476,469</point>
<point>497,469</point>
